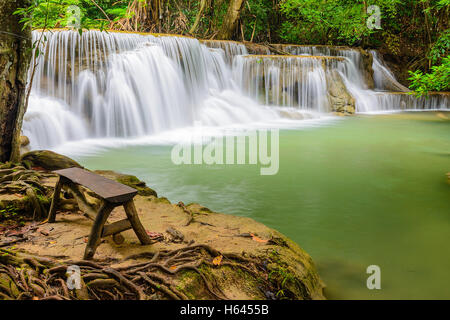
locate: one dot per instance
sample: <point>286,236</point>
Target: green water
<point>364,190</point>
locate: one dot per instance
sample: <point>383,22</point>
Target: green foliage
<point>257,17</point>
<point>61,13</point>
<point>441,47</point>
<point>411,28</point>
<point>437,80</point>
<point>330,21</point>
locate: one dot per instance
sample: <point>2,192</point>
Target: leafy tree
<point>93,13</point>
<point>415,33</point>
<point>437,80</point>
<point>330,21</point>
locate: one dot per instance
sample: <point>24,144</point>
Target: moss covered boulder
<point>48,160</point>
<point>129,180</point>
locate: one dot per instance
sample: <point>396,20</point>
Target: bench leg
<point>83,204</point>
<point>96,231</point>
<point>133,217</point>
<point>55,200</point>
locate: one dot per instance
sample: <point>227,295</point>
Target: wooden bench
<point>112,194</point>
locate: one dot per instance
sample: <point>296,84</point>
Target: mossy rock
<point>14,207</point>
<point>48,160</point>
<point>198,208</point>
<point>129,180</point>
<point>162,200</point>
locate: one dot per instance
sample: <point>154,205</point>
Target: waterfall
<point>120,85</point>
<point>279,81</point>
<point>383,78</point>
<point>115,85</point>
<point>49,122</point>
<point>230,49</point>
<point>387,93</point>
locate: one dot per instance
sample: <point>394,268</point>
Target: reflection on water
<point>366,190</point>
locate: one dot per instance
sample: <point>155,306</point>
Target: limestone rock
<point>366,67</point>
<point>341,100</point>
<point>254,48</point>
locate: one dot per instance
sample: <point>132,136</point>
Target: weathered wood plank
<point>111,191</point>
<point>56,197</point>
<point>138,228</point>
<point>116,227</point>
<point>96,231</point>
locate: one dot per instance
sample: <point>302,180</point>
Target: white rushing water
<point>100,86</point>
<point>383,78</point>
<point>387,93</point>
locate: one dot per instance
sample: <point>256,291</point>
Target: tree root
<point>188,212</point>
<point>34,277</point>
<point>19,180</point>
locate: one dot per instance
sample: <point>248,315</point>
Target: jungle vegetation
<point>413,34</point>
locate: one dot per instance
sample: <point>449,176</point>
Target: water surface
<point>360,191</point>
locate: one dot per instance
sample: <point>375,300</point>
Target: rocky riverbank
<point>195,254</point>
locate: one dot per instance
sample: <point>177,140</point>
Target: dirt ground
<point>176,226</point>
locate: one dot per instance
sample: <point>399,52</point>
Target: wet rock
<point>366,67</point>
<point>254,48</point>
<point>24,141</point>
<point>24,144</point>
<point>340,99</point>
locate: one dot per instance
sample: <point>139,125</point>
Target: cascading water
<point>387,94</point>
<point>383,78</point>
<point>230,49</point>
<point>119,85</point>
<point>280,81</point>
<point>49,123</point>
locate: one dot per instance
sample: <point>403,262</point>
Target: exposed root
<point>25,277</point>
<point>188,212</point>
<point>25,182</point>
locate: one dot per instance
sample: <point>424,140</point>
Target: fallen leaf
<point>257,239</point>
<point>38,169</point>
<point>16,233</point>
<point>217,260</point>
<point>154,235</point>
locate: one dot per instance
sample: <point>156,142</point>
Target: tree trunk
<point>230,20</point>
<point>15,56</point>
<point>198,17</point>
